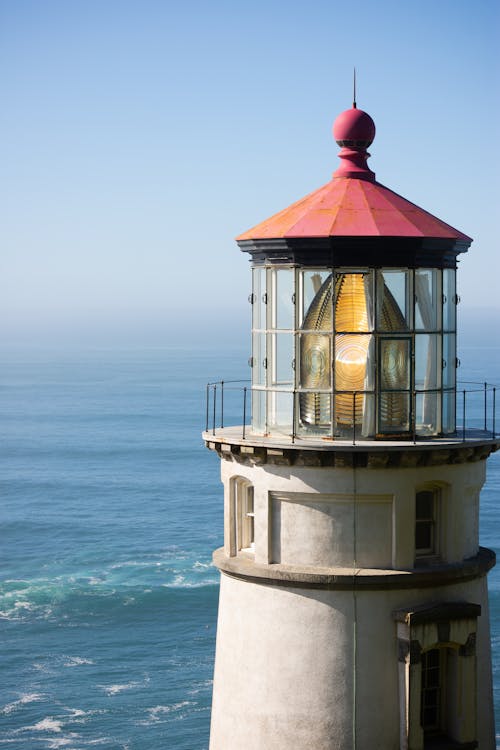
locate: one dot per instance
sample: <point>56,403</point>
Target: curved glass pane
<point>449,300</point>
<point>282,354</point>
<point>259,361</point>
<point>283,295</point>
<point>427,413</point>
<point>449,360</point>
<point>311,283</point>
<point>427,361</point>
<point>352,303</point>
<point>394,306</point>
<point>259,306</point>
<point>427,299</point>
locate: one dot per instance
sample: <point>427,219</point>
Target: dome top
<point>353,204</point>
<point>354,128</point>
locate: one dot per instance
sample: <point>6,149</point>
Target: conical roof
<point>353,203</point>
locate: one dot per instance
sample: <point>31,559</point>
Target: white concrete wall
<point>298,668</point>
<point>363,517</point>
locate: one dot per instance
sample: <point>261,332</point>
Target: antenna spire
<point>354,90</point>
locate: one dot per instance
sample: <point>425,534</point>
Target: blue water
<point>110,509</point>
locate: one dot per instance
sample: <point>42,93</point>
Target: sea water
<point>110,509</point>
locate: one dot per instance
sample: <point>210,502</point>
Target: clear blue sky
<point>138,138</point>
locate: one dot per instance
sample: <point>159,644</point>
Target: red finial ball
<point>354,129</point>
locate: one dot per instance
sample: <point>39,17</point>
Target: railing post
<point>244,410</point>
<point>463,417</point>
<point>485,405</point>
<point>222,404</point>
<point>354,418</point>
<point>208,405</point>
<point>294,396</point>
<point>494,410</point>
<point>213,416</point>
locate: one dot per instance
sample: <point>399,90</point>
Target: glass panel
<point>259,411</point>
<point>259,306</point>
<point>281,366</point>
<point>393,300</point>
<point>368,420</point>
<point>259,358</point>
<point>449,419</point>
<point>427,415</point>
<point>394,412</point>
<point>315,361</point>
<point>280,412</point>
<point>394,363</point>
<point>427,299</point>
<point>315,413</point>
<point>283,295</point>
<point>312,282</point>
<point>449,300</point>
<point>427,361</point>
<point>352,310</point>
<point>424,505</point>
<point>354,367</point>
<point>449,360</point>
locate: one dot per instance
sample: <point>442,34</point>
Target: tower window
<point>426,513</point>
<point>245,524</point>
<point>431,697</point>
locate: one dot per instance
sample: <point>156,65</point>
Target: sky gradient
<point>139,138</point>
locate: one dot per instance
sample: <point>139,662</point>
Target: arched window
<point>243,503</point>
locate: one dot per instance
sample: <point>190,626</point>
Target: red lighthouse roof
<point>353,203</point>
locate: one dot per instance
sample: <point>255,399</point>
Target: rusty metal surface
<point>350,207</point>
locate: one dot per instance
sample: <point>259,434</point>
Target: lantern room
<point>353,309</point>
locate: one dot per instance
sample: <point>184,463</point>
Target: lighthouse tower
<point>353,607</point>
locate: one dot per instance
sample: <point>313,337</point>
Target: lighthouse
<point>353,609</point>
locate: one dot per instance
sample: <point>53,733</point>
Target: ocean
<point>110,509</point>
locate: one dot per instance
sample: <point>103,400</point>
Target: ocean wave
<point>121,687</point>
<point>71,596</point>
<point>171,712</point>
<point>24,699</point>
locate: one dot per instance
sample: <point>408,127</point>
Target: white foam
<point>47,725</point>
<point>76,661</point>
<point>26,698</point>
<point>156,712</point>
<point>119,688</point>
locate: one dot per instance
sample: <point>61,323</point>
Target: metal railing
<point>228,401</point>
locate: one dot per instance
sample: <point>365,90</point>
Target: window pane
<point>259,306</point>
<point>449,360</point>
<point>394,412</point>
<point>280,411</point>
<point>427,297</point>
<point>423,536</point>
<point>393,300</point>
<point>259,359</point>
<point>353,362</point>
<point>312,282</point>
<point>424,505</point>
<point>427,361</point>
<point>449,419</point>
<point>449,300</point>
<point>352,303</point>
<point>283,296</point>
<point>282,359</point>
<point>315,361</point>
<point>315,413</point>
<point>394,364</point>
<point>427,415</point>
<point>259,411</point>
